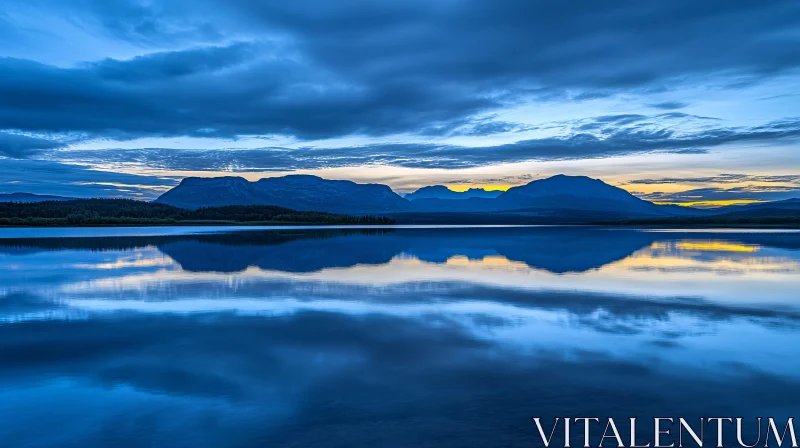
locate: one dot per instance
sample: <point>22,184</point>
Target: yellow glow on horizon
<point>717,246</point>
<point>711,246</point>
<point>680,187</point>
<point>710,203</point>
<point>464,187</point>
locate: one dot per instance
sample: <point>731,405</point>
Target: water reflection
<point>406,337</point>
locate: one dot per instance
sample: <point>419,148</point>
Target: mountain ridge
<point>442,192</point>
<point>307,193</point>
<point>296,191</point>
<point>559,199</point>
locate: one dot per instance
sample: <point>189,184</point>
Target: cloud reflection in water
<point>450,337</point>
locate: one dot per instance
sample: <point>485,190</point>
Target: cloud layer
<point>18,146</point>
<point>311,69</point>
<point>730,187</point>
<point>614,138</point>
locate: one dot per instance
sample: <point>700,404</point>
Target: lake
<point>387,336</point>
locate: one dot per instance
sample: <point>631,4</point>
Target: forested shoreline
<point>128,212</point>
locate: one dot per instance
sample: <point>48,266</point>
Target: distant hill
<point>442,192</point>
<point>762,213</point>
<point>298,192</point>
<point>30,197</point>
<point>574,193</point>
<point>560,196</point>
<point>786,204</point>
<point>301,192</point>
<point>777,213</point>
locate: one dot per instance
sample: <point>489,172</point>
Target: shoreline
<point>476,223</point>
<point>676,225</point>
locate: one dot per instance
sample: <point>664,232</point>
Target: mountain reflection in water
<point>389,337</point>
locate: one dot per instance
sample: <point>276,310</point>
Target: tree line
<point>104,212</point>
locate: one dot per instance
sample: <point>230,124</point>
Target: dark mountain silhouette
<point>30,197</point>
<point>442,192</point>
<point>585,194</point>
<point>549,198</point>
<point>576,192</point>
<point>559,199</point>
<point>298,192</point>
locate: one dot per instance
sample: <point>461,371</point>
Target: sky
<point>677,101</point>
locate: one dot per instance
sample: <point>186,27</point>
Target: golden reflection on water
<point>718,256</point>
<point>713,269</point>
<point>709,246</point>
<point>707,256</point>
<point>489,261</point>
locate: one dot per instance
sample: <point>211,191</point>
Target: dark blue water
<point>387,337</point>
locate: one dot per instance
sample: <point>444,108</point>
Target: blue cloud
<point>618,141</point>
<point>315,69</point>
<point>312,69</point>
<point>725,178</point>
<point>669,105</point>
<point>46,177</point>
<point>166,66</point>
<point>758,193</point>
<point>21,146</point>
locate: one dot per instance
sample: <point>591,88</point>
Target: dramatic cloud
<point>44,177</point>
<point>750,187</point>
<point>312,69</point>
<point>620,141</point>
<point>172,65</point>
<point>203,92</point>
<point>507,180</point>
<point>21,146</point>
<point>722,179</point>
<point>750,193</point>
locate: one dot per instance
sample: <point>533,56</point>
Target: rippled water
<point>387,337</point>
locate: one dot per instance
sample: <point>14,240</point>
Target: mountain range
<point>442,192</point>
<point>561,197</point>
<point>297,192</point>
<point>558,199</point>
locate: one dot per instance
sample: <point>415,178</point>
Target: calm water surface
<point>387,337</point>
